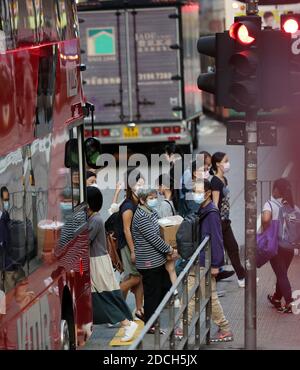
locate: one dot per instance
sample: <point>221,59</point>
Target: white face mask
<point>226,167</point>
<point>206,175</point>
<point>94,185</point>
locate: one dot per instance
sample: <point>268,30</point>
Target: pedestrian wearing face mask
<point>207,164</point>
<point>210,226</point>
<point>191,175</point>
<point>91,178</point>
<point>131,279</point>
<point>151,251</point>
<point>221,198</point>
<point>5,198</point>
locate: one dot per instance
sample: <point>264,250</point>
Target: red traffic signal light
<point>243,32</point>
<point>290,23</point>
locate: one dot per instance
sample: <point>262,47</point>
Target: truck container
<point>142,68</point>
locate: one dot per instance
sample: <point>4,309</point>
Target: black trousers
<point>280,265</point>
<point>156,283</point>
<point>232,249</point>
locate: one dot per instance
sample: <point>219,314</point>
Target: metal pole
<point>250,229</point>
<point>250,215</point>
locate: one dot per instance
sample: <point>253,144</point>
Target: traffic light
<point>290,23</point>
<point>234,81</point>
<point>252,66</point>
<point>243,89</point>
<point>206,81</point>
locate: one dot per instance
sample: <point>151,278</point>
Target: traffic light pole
<point>250,215</point>
<point>250,229</point>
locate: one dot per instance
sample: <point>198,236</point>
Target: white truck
<point>142,68</point>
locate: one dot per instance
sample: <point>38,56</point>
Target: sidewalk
<point>274,330</point>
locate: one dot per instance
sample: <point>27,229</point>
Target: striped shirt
<point>150,248</point>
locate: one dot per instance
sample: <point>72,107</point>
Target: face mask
<point>66,211</point>
<point>6,205</point>
<point>206,175</point>
<point>152,203</point>
<point>66,207</point>
<point>94,185</point>
<point>226,167</point>
<point>199,198</point>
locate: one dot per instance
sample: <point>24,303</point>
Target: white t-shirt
<point>276,204</point>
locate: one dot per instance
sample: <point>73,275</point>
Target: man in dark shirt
<point>211,226</point>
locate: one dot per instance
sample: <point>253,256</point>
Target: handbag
<point>267,243</point>
<point>113,251</point>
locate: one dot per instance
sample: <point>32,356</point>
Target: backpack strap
<point>203,215</point>
<point>172,207</point>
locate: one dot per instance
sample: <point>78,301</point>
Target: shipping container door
<point>103,44</point>
<point>155,64</point>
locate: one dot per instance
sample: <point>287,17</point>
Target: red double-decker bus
<point>45,299</point>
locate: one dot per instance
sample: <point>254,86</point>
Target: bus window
<point>6,30</point>
<point>14,251</point>
<point>25,19</point>
<point>68,20</point>
<point>73,213</point>
<point>48,21</point>
<point>46,91</point>
<point>36,177</point>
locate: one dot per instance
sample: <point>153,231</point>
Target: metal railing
<point>192,326</point>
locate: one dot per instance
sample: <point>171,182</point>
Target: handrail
<point>169,297</point>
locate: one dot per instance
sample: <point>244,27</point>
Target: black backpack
<point>188,235</point>
<point>113,224</point>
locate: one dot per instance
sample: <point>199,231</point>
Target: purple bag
<point>267,243</point>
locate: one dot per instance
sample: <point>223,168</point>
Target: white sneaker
<point>177,303</point>
<point>242,282</point>
<point>129,331</point>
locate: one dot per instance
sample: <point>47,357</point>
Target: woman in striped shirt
<point>150,250</point>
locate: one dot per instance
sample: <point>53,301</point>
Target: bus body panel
<point>44,263</point>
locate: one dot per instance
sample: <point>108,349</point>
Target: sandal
<point>140,315</point>
<point>152,331</point>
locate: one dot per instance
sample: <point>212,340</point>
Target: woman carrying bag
<point>109,305</point>
<point>281,261</point>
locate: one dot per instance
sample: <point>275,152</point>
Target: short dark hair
<point>3,190</point>
<point>90,174</point>
<point>268,14</point>
<point>94,198</point>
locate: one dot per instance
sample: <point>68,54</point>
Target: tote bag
<point>267,243</point>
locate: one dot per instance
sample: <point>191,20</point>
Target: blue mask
<point>199,198</point>
<point>66,210</point>
<point>6,205</point>
<point>152,203</point>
